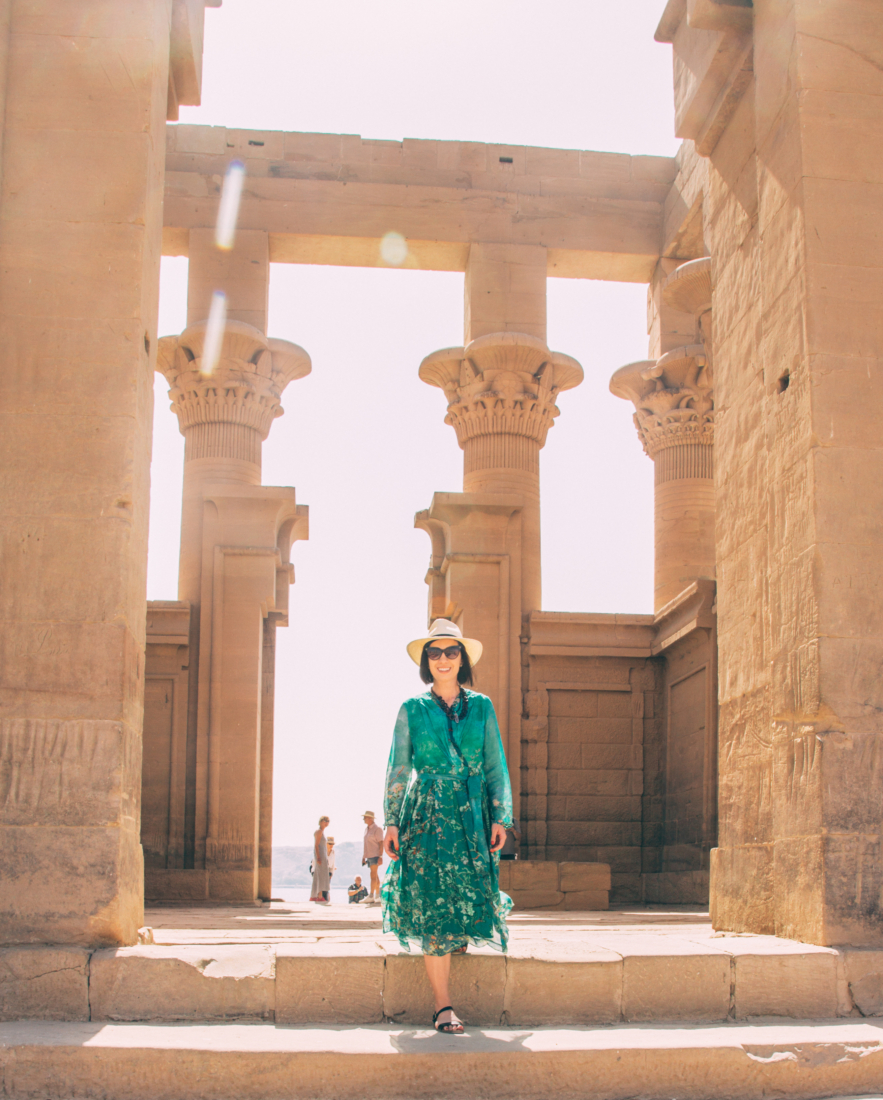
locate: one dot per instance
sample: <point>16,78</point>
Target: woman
<point>448,803</point>
<point>321,879</point>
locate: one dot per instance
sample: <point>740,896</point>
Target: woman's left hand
<point>498,837</point>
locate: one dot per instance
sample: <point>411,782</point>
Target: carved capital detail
<point>673,399</point>
<point>245,388</point>
<point>504,383</point>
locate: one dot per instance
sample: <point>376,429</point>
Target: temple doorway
<point>365,445</point>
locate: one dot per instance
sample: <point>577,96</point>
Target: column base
<point>198,884</point>
<point>817,889</point>
<point>77,885</point>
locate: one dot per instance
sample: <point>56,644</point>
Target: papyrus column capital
<point>505,383</point>
<point>246,386</point>
<point>673,399</point>
<point>501,390</point>
<point>688,288</point>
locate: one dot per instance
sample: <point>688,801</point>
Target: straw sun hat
<point>441,629</point>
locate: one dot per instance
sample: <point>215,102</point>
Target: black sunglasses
<point>434,653</point>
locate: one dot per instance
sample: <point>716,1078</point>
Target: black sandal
<point>452,1027</point>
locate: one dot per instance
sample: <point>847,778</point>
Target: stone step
<point>791,1061</point>
<point>599,978</point>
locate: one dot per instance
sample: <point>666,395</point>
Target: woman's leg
<point>438,970</point>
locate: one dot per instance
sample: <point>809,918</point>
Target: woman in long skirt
<point>321,888</point>
<point>448,804</point>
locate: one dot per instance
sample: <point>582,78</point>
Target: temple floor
<point>291,919</point>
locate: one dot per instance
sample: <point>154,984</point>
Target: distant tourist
<point>372,854</point>
<point>357,891</point>
<point>445,824</point>
<point>321,887</point>
<point>513,841</point>
<point>332,862</point>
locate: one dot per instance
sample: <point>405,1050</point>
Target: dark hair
<point>464,674</point>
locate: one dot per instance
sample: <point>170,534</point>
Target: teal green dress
<point>446,784</point>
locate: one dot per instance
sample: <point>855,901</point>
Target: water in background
<point>299,895</point>
<point>291,872</point>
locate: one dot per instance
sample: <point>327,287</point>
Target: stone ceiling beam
<point>329,198</point>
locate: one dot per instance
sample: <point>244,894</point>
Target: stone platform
<point>795,1061</point>
<point>298,964</point>
<point>295,1000</point>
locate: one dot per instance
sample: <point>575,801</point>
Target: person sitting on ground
<point>357,891</point>
<point>372,854</point>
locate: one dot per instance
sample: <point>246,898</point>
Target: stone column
<point>485,572</point>
<point>800,479</point>
<point>505,290</point>
<point>234,573</point>
<point>501,391</point>
<point>243,274</point>
<point>674,415</point>
<point>79,279</point>
<point>224,418</point>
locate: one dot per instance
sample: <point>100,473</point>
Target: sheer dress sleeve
<point>496,773</point>
<point>398,772</point>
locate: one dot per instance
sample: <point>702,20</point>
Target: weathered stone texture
<point>790,211</point>
<point>330,982</point>
<point>44,983</point>
<point>229,982</point>
<point>83,163</point>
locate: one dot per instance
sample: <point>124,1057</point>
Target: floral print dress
<point>446,784</point>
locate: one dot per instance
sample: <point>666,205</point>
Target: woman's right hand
<point>391,841</point>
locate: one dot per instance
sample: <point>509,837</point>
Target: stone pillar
<point>224,418</point>
<point>794,235</point>
<point>505,290</point>
<point>86,92</point>
<point>234,575</point>
<point>674,415</point>
<point>501,391</point>
<point>243,274</point>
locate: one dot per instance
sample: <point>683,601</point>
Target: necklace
<point>458,710</point>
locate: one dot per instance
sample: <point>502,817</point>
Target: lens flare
<point>393,249</point>
<point>228,210</point>
<point>214,332</point>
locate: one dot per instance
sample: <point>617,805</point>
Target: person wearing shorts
<point>372,855</point>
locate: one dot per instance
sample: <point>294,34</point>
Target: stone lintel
<point>560,634</point>
<point>455,507</point>
<point>692,610</point>
<point>330,198</point>
<point>168,622</point>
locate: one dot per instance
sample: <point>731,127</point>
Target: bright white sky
<point>363,440</point>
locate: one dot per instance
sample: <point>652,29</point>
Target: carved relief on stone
<point>503,383</point>
<point>673,398</point>
<point>246,386</point>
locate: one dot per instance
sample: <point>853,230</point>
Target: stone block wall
<point>619,755</point>
<point>589,709</point>
<point>535,884</point>
<point>782,115</point>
